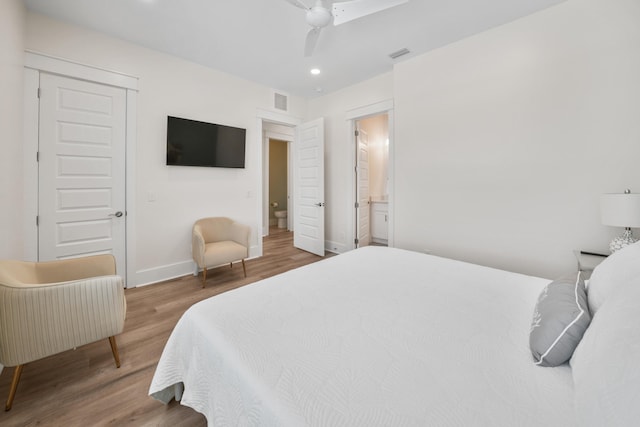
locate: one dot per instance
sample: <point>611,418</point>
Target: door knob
<point>320,204</point>
<point>117,214</point>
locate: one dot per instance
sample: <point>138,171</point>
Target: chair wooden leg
<point>244,269</point>
<point>204,276</point>
<point>114,350</point>
<point>14,386</point>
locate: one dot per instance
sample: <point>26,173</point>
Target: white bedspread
<point>372,337</point>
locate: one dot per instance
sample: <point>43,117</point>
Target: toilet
<point>282,218</point>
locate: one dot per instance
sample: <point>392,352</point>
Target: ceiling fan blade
<point>310,43</point>
<point>346,11</point>
<point>298,3</point>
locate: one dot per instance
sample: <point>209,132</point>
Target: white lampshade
<point>620,210</point>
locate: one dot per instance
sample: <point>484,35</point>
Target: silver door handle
<point>320,204</point>
<point>117,214</point>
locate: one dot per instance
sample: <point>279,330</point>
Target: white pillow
<point>606,363</point>
<point>615,271</point>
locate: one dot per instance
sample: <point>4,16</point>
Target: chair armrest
<point>240,234</point>
<point>40,320</point>
<point>197,246</point>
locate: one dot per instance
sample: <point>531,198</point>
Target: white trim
<point>265,185</point>
<point>279,136</point>
<point>34,64</point>
<point>162,273</point>
<point>391,171</point>
<point>335,247</point>
<point>382,107</point>
<point>151,276</point>
<point>130,187</point>
<point>278,118</point>
<point>51,64</point>
<point>370,110</point>
<point>273,117</point>
<point>289,139</point>
<point>30,165</point>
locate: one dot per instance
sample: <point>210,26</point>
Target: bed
<point>378,337</point>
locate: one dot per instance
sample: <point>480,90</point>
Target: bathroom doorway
<point>278,184</point>
<point>277,179</point>
<point>372,180</point>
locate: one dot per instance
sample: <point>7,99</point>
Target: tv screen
<point>194,143</point>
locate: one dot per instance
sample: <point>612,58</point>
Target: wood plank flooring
<point>82,387</point>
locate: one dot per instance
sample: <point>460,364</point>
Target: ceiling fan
<point>319,15</point>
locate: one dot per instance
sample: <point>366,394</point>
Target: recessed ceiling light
<point>319,90</point>
<point>315,71</point>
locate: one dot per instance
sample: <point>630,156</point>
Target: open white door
<point>308,208</point>
<point>81,170</point>
<point>363,226</point>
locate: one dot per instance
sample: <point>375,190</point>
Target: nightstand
<point>587,261</point>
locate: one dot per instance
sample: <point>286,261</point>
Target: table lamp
<point>621,210</point>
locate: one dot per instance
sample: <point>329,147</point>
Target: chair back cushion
<point>215,229</point>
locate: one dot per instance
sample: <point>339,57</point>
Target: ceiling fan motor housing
<point>318,16</point>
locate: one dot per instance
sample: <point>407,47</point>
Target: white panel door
<point>308,226</point>
<point>81,170</point>
<point>362,209</point>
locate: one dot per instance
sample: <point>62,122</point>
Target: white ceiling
<point>263,40</point>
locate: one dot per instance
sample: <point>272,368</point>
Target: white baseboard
<point>171,271</point>
<point>335,247</point>
<point>162,273</point>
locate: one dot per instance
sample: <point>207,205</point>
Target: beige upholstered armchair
<point>219,240</point>
<point>50,307</point>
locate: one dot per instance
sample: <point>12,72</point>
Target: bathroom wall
<point>277,177</point>
<point>377,129</point>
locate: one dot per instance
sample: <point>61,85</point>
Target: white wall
<point>170,199</point>
<point>339,150</point>
<point>506,140</point>
<point>12,27</point>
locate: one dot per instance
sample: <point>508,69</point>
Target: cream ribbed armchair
<point>219,240</point>
<point>50,307</point>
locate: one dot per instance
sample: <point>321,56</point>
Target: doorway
<point>372,180</point>
<point>277,179</point>
<point>81,189</point>
<point>305,208</point>
<point>79,130</point>
<point>278,195</point>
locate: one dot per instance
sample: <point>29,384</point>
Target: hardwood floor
<point>82,387</point>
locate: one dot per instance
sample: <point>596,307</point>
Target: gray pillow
<point>560,319</point>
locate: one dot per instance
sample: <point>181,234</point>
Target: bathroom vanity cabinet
<point>379,222</point>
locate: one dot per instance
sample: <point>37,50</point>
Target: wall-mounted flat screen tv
<point>194,143</point>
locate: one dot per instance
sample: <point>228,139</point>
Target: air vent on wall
<point>399,53</point>
<point>280,101</point>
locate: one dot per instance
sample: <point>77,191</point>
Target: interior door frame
<point>266,116</point>
<point>268,135</point>
<point>34,64</point>
<point>352,116</point>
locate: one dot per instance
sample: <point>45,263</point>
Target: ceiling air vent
<point>399,53</point>
<point>280,101</point>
